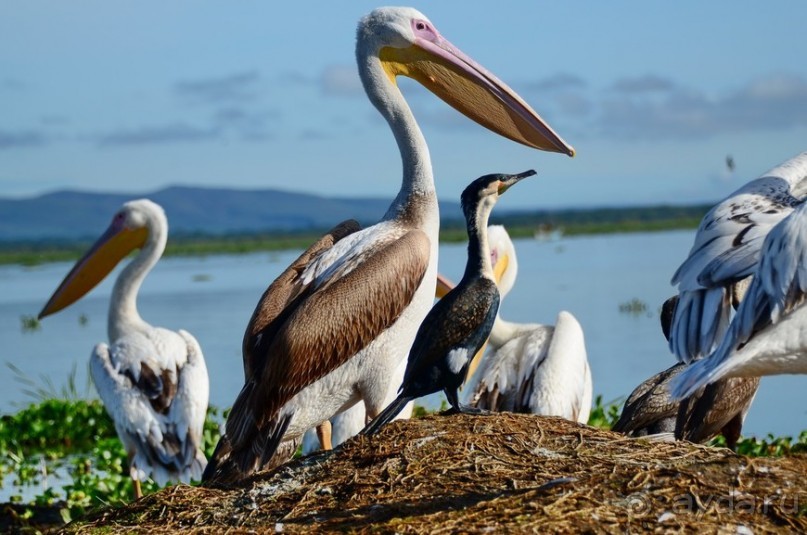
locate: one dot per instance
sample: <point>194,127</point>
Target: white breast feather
<point>457,358</point>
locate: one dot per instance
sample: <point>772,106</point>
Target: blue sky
<point>107,96</point>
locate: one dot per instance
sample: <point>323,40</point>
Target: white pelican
<point>768,335</point>
<point>726,249</point>
<point>152,381</point>
<point>332,328</point>
<point>531,368</point>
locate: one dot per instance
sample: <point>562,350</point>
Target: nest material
<point>480,473</point>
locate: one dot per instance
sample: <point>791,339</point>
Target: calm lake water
<point>213,298</point>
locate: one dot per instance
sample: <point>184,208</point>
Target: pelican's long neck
<point>416,201</point>
<point>123,315</point>
<point>478,246</point>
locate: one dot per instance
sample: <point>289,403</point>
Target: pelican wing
<point>129,400</point>
<point>779,286</point>
<point>727,247</point>
<point>739,259</point>
<point>497,387</point>
<point>285,288</point>
<point>782,271</point>
<point>649,403</point>
<point>560,383</point>
<point>186,416</point>
<point>704,414</point>
<point>503,371</point>
<point>324,324</point>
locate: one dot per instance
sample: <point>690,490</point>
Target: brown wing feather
<point>649,403</point>
<point>159,388</point>
<point>282,291</point>
<point>321,330</point>
<point>337,322</point>
<point>704,414</point>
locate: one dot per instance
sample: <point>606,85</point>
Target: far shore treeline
<point>519,224</point>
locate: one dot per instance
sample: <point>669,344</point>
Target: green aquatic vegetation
<point>56,427</point>
<point>419,411</point>
<point>633,307</point>
<point>69,449</point>
<point>99,476</point>
<point>29,324</point>
<point>604,415</point>
<point>770,446</point>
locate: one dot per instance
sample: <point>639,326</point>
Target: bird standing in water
<point>457,326</point>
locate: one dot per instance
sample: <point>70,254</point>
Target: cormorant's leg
<point>453,400</point>
<point>324,435</point>
<point>457,407</point>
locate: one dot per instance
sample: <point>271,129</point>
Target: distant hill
<point>76,215</point>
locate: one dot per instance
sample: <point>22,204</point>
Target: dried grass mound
<point>491,473</point>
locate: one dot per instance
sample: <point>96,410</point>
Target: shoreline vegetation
<point>539,225</point>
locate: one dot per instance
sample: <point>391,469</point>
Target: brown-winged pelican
<point>331,329</point>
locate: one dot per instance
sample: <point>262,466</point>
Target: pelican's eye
<point>119,220</point>
<point>424,30</point>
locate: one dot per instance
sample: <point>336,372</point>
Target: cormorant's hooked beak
<point>472,90</point>
<point>113,245</point>
<point>510,180</point>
